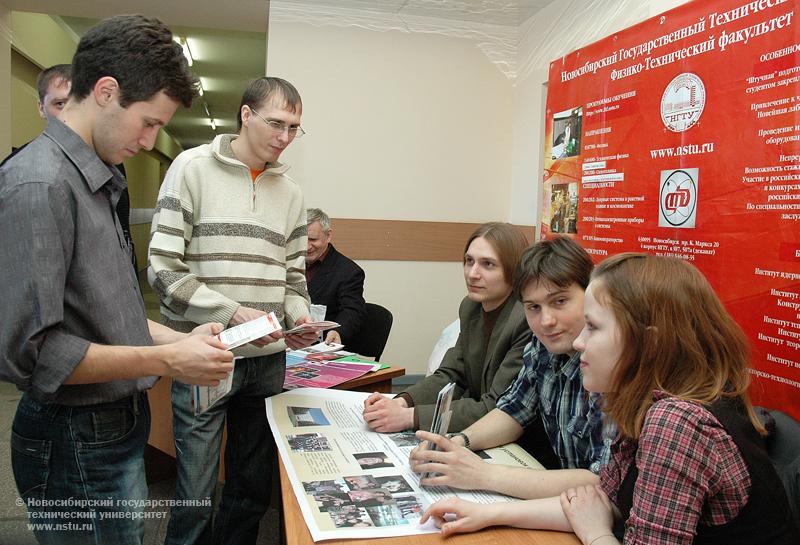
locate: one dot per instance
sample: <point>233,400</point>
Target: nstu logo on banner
<point>683,102</point>
<point>678,198</point>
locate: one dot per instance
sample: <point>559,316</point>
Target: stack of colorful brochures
<point>324,366</point>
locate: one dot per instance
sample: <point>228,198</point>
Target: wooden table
<point>377,381</point>
<point>297,532</point>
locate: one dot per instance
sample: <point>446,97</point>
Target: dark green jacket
<point>479,381</point>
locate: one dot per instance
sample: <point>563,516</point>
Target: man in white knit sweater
<point>228,245</point>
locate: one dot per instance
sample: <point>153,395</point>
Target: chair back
<point>447,340</point>
<point>371,338</point>
<point>783,448</point>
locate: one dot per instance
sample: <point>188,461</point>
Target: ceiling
<point>228,39</point>
<point>495,12</point>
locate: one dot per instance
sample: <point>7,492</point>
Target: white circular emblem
<point>682,102</point>
<point>678,198</point>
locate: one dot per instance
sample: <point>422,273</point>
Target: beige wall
<point>40,38</point>
<point>423,298</point>
<point>38,42</point>
<point>5,81</point>
<point>405,127</point>
<point>401,126</point>
<point>25,121</point>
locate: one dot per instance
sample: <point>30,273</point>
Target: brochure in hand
<point>311,327</point>
<point>441,416</point>
<point>250,331</point>
<point>205,396</point>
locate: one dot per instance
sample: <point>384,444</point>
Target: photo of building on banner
<point>680,136</point>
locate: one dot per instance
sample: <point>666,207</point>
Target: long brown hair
<point>676,337</point>
<point>507,241</point>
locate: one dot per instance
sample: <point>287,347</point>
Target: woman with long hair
<point>689,464</point>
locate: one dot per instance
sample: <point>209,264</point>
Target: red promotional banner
<point>680,136</point>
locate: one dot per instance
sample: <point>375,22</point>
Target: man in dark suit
<point>334,280</point>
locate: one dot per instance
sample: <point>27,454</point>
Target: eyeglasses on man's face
<point>279,126</point>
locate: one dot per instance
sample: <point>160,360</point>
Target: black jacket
<point>338,283</point>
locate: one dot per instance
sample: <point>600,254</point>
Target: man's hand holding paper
<point>246,314</point>
<point>306,332</point>
<point>200,359</point>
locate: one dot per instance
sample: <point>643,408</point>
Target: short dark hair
<point>57,71</point>
<point>266,88</point>
<point>140,54</point>
<point>560,261</point>
<point>508,241</point>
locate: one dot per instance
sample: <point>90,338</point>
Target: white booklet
<point>441,415</point>
<point>205,396</point>
<point>312,326</point>
<point>249,331</point>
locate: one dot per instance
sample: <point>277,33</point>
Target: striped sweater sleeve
<point>297,299</point>
<point>178,288</point>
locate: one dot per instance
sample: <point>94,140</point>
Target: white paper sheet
<point>351,482</point>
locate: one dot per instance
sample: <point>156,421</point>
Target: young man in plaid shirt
<point>550,282</point>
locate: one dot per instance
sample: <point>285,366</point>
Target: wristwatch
<point>462,435</point>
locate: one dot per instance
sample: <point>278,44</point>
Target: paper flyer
<point>249,331</point>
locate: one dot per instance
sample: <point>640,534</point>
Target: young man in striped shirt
<point>228,245</point>
<point>550,281</point>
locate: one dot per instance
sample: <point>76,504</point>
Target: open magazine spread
<point>351,482</point>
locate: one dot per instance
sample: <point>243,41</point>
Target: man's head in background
<point>319,234</point>
<point>53,85</point>
<point>128,78</point>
